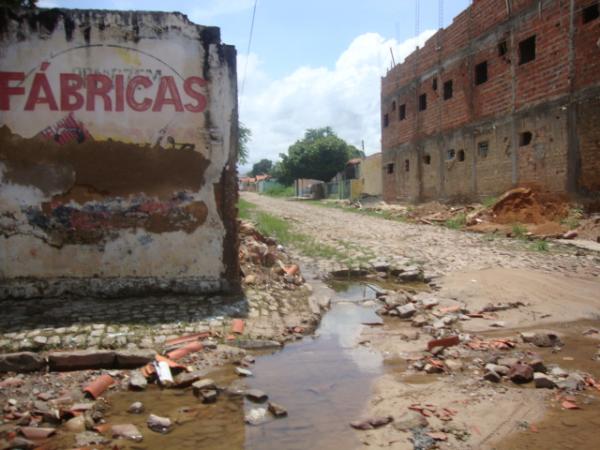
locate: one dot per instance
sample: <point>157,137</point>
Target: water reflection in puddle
<point>323,382</point>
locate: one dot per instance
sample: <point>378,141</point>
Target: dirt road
<point>440,250</point>
<point>555,290</point>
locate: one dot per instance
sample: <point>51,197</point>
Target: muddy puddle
<point>323,381</point>
<point>561,428</point>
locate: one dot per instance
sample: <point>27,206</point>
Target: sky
<point>312,63</point>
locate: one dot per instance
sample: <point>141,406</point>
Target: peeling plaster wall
<point>118,141</point>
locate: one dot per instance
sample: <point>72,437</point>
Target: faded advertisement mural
<point>117,154</point>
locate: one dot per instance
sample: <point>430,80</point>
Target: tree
<point>264,166</point>
<point>16,4</point>
<point>244,136</point>
<point>319,155</point>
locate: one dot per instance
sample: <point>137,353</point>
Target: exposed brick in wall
<point>540,96</point>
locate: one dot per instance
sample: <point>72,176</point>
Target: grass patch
<point>573,220</point>
<point>281,230</point>
<point>280,191</point>
<point>489,201</point>
<point>519,231</point>
<point>456,222</point>
<point>539,245</point>
<point>245,209</point>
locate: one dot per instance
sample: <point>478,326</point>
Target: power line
<point>249,45</point>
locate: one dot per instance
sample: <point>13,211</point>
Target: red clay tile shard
<point>188,338</point>
<point>438,436</point>
<point>37,433</point>
<point>569,405</point>
<point>179,353</point>
<point>444,342</point>
<point>291,270</point>
<point>237,326</point>
<point>99,385</point>
<point>172,364</point>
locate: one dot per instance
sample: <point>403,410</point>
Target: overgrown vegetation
<point>456,222</point>
<point>245,208</point>
<point>280,191</point>
<point>519,231</point>
<point>540,245</point>
<point>573,220</point>
<point>348,253</point>
<point>489,201</point>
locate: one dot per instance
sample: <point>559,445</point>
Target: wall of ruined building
<point>550,96</point>
<point>118,141</point>
<point>370,174</point>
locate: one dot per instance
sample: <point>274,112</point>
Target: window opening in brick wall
<point>450,154</point>
<point>390,168</point>
<point>527,50</point>
<point>591,12</point>
<point>427,159</point>
<point>406,165</point>
<point>461,155</point>
<point>525,138</point>
<point>386,120</point>
<point>402,112</point>
<point>394,105</point>
<point>434,84</point>
<point>422,102</point>
<point>448,90</point>
<point>481,73</point>
<point>483,148</point>
<point>502,48</point>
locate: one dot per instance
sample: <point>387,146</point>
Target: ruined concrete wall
<point>532,113</point>
<point>118,141</point>
<point>370,174</point>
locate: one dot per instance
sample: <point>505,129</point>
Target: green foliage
<point>245,208</point>
<point>319,156</point>
<point>540,245</point>
<point>280,191</point>
<point>572,221</point>
<point>263,167</point>
<point>16,4</point>
<point>519,231</point>
<point>244,136</point>
<point>489,201</point>
<point>456,222</point>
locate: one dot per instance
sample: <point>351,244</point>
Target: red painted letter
<point>70,98</point>
<point>199,97</point>
<point>119,93</point>
<point>40,83</point>
<point>145,104</point>
<point>6,91</point>
<point>167,84</point>
<point>101,85</point>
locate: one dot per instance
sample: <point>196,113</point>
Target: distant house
<point>303,187</point>
<point>361,176</point>
<point>247,184</point>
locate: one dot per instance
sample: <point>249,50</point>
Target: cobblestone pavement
<point>439,250</point>
<point>106,323</point>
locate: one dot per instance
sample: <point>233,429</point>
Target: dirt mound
<point>526,205</point>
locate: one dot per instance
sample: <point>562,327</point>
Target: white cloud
<point>47,4</point>
<point>215,8</point>
<point>346,98</point>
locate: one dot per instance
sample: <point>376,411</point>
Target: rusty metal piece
<point>237,326</point>
<point>179,353</point>
<point>99,385</point>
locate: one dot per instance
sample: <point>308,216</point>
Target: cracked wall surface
<point>118,142</point>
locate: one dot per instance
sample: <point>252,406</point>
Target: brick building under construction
<point>508,94</point>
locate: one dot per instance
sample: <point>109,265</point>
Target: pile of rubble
<point>449,346</point>
<point>37,405</point>
<point>264,263</point>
